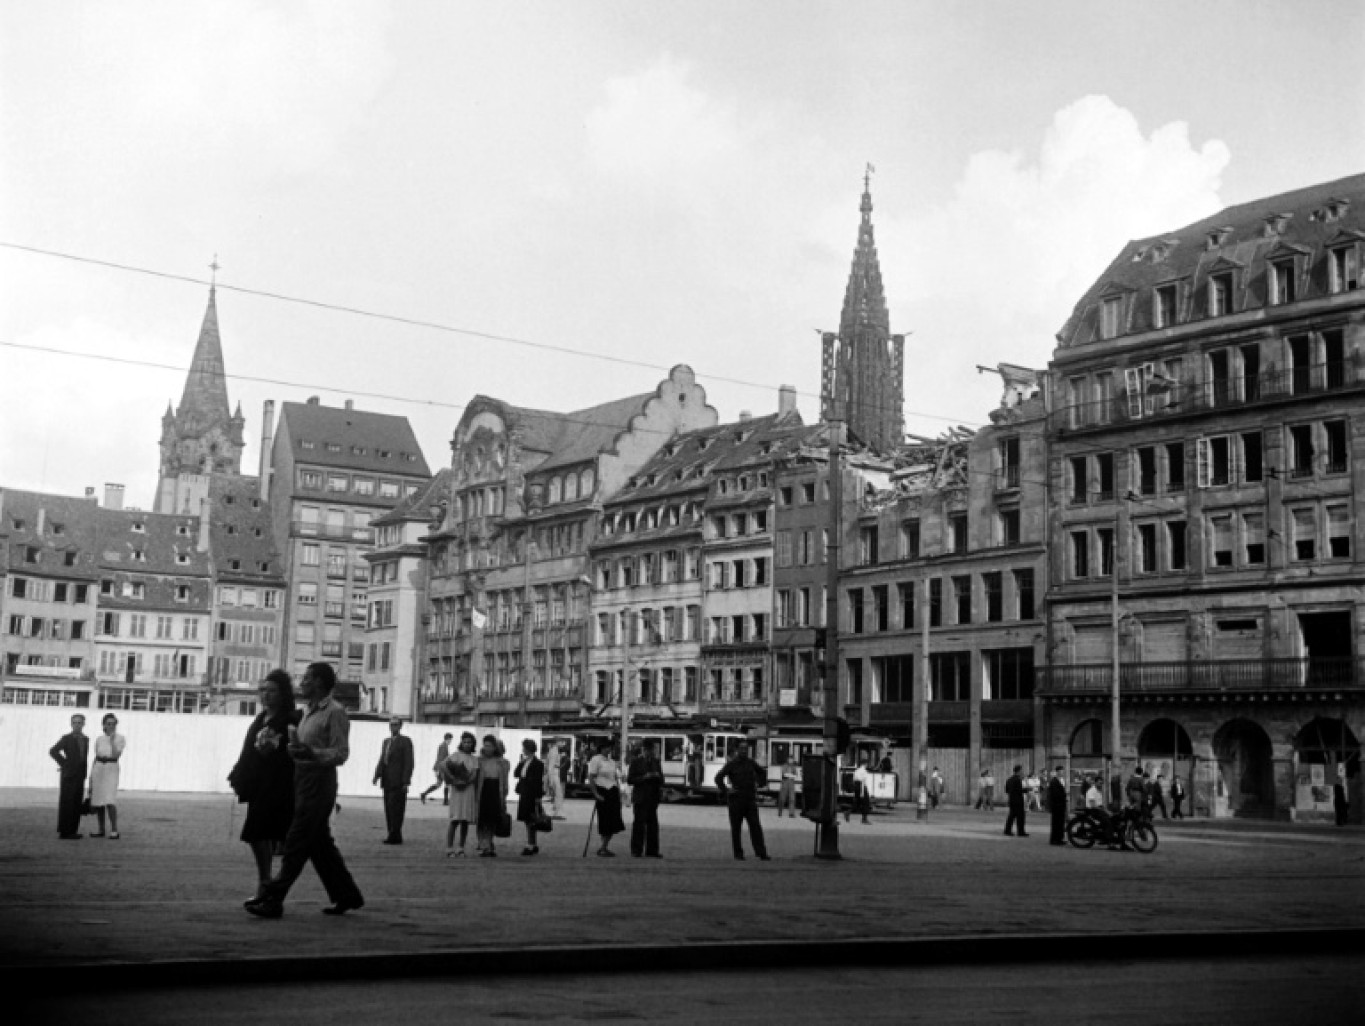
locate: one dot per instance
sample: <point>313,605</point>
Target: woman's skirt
<point>609,819</point>
<point>491,806</point>
<point>103,784</point>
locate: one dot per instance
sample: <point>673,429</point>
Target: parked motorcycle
<point>1132,828</point>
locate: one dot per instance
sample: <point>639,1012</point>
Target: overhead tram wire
<point>414,322</point>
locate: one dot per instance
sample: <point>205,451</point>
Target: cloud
<point>993,273</point>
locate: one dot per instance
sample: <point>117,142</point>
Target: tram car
<point>788,744</point>
<point>690,757</point>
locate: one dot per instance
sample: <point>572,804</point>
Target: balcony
<point>1211,675</point>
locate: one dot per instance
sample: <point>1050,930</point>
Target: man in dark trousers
<point>739,782</point>
<point>318,745</point>
<point>442,754</point>
<point>646,779</point>
<point>1014,792</point>
<point>1177,798</point>
<point>1158,794</point>
<point>72,755</point>
<point>394,775</point>
<point>1056,803</point>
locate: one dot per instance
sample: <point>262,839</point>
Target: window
<point>163,627</point>
<point>1009,463</point>
<point>1009,526</point>
<point>782,548</point>
<point>1111,315</point>
<point>1175,544</point>
<point>808,492</point>
<point>1079,483</point>
<point>881,608</point>
<point>936,602</point>
<point>784,496</point>
<point>1253,538</point>
<point>312,554</point>
<point>1080,554</point>
<point>962,598</point>
<point>867,546</point>
<point>1282,282</point>
<point>907,598</point>
<point>1338,532</point>
<point>1163,312</point>
<point>950,676</point>
<point>1175,467</point>
<point>337,482</point>
<point>1105,535</point>
<point>1144,471</point>
<point>1215,461</point>
<point>308,593</point>
<point>1146,545</point>
<point>957,532</point>
<point>1104,465</point>
<point>388,489</point>
<point>1220,539</point>
<point>855,610</point>
<point>137,625</point>
<point>1220,295</point>
<point>305,633</point>
<point>993,585</point>
<point>1344,273</point>
<point>1007,674</point>
<point>1301,450</point>
<point>1253,461</point>
<point>1305,533</point>
<point>910,539</point>
<point>311,479</point>
<point>1335,432</point>
<point>1023,590</point>
<point>855,681</point>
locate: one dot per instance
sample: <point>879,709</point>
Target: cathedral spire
<point>205,398</point>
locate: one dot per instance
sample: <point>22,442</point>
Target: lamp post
<point>827,845</point>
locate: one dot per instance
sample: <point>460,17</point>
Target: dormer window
<point>333,447</point>
<point>1275,224</point>
<point>306,444</point>
<point>182,530</point>
<point>1220,294</point>
<point>1216,237</point>
<point>1344,268</point>
<point>182,559</point>
<point>1282,282</point>
<point>1111,317</point>
<point>139,527</point>
<point>1164,305</point>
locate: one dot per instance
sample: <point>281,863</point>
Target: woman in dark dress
<point>492,795</point>
<point>264,774</point>
<point>530,790</point>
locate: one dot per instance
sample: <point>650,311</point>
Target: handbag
<point>504,826</point>
<point>543,824</point>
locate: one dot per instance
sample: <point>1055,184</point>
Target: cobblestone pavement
<point>172,886</point>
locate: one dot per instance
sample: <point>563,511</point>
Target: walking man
<point>394,775</point>
<point>72,755</point>
<point>1014,793</point>
<point>1158,794</point>
<point>646,779</point>
<point>1056,803</point>
<point>990,791</point>
<point>318,745</point>
<point>935,788</point>
<point>442,754</point>
<point>786,796</point>
<point>739,782</point>
<point>1177,798</point>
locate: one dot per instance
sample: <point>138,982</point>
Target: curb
<point>606,959</point>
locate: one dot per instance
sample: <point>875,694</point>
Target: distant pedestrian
<point>1341,802</point>
<point>554,779</point>
<point>1032,787</point>
<point>935,788</point>
<point>109,748</point>
<point>604,780</point>
<point>530,774</point>
<point>263,777</point>
<point>786,795</point>
<point>493,782</point>
<point>862,789</point>
<point>990,791</point>
<point>981,791</point>
<point>318,745</point>
<point>461,775</point>
<point>1056,803</point>
<point>393,773</point>
<point>646,778</point>
<point>739,782</point>
<point>1136,789</point>
<point>1094,797</point>
<point>438,768</point>
<point>1014,794</point>
<point>71,753</point>
<point>1158,794</point>
<point>1177,798</point>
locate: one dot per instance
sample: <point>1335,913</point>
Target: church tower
<point>200,438</point>
<point>863,367</point>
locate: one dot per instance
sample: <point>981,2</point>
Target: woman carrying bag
<point>492,796</point>
<point>530,774</point>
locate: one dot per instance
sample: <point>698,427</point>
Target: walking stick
<point>588,840</point>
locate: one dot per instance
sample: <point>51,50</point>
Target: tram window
<point>710,749</point>
<point>782,752</point>
<point>730,744</point>
<point>675,749</point>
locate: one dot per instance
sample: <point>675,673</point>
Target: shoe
<point>114,836</point>
<point>100,834</point>
<point>69,837</point>
<point>1009,833</point>
<point>606,853</point>
<point>266,908</point>
<point>1023,835</point>
<point>656,855</point>
<point>342,907</point>
<point>739,856</point>
<point>528,851</point>
<point>765,858</point>
<point>488,853</point>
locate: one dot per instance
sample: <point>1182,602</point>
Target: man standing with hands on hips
<point>739,782</point>
<point>394,774</point>
<point>72,755</point>
<point>318,745</point>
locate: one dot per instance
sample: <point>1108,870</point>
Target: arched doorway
<point>1086,758</point>
<point>1326,754</point>
<point>1164,750</point>
<point>1246,778</point>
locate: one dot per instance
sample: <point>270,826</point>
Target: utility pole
<point>921,718</point>
<point>1114,656</point>
<point>527,609</point>
<point>828,832</point>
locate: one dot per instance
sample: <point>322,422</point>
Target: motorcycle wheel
<point>1080,833</point>
<point>1142,837</point>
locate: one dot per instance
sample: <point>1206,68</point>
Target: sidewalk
<point>172,887</point>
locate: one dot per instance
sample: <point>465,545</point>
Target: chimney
<point>786,399</point>
<point>113,496</point>
<point>90,493</point>
<point>745,416</point>
<point>267,445</point>
<point>350,404</point>
<point>203,545</point>
<point>314,401</point>
<point>42,520</point>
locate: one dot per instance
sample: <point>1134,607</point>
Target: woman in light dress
<point>461,772</point>
<point>104,777</point>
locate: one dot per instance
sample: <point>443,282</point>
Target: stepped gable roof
<point>69,524</point>
<point>417,506</point>
<point>691,461</point>
<point>569,438</point>
<point>359,437</point>
<point>240,530</point>
<point>1305,222</point>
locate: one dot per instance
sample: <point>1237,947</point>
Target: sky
<point>625,185</point>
